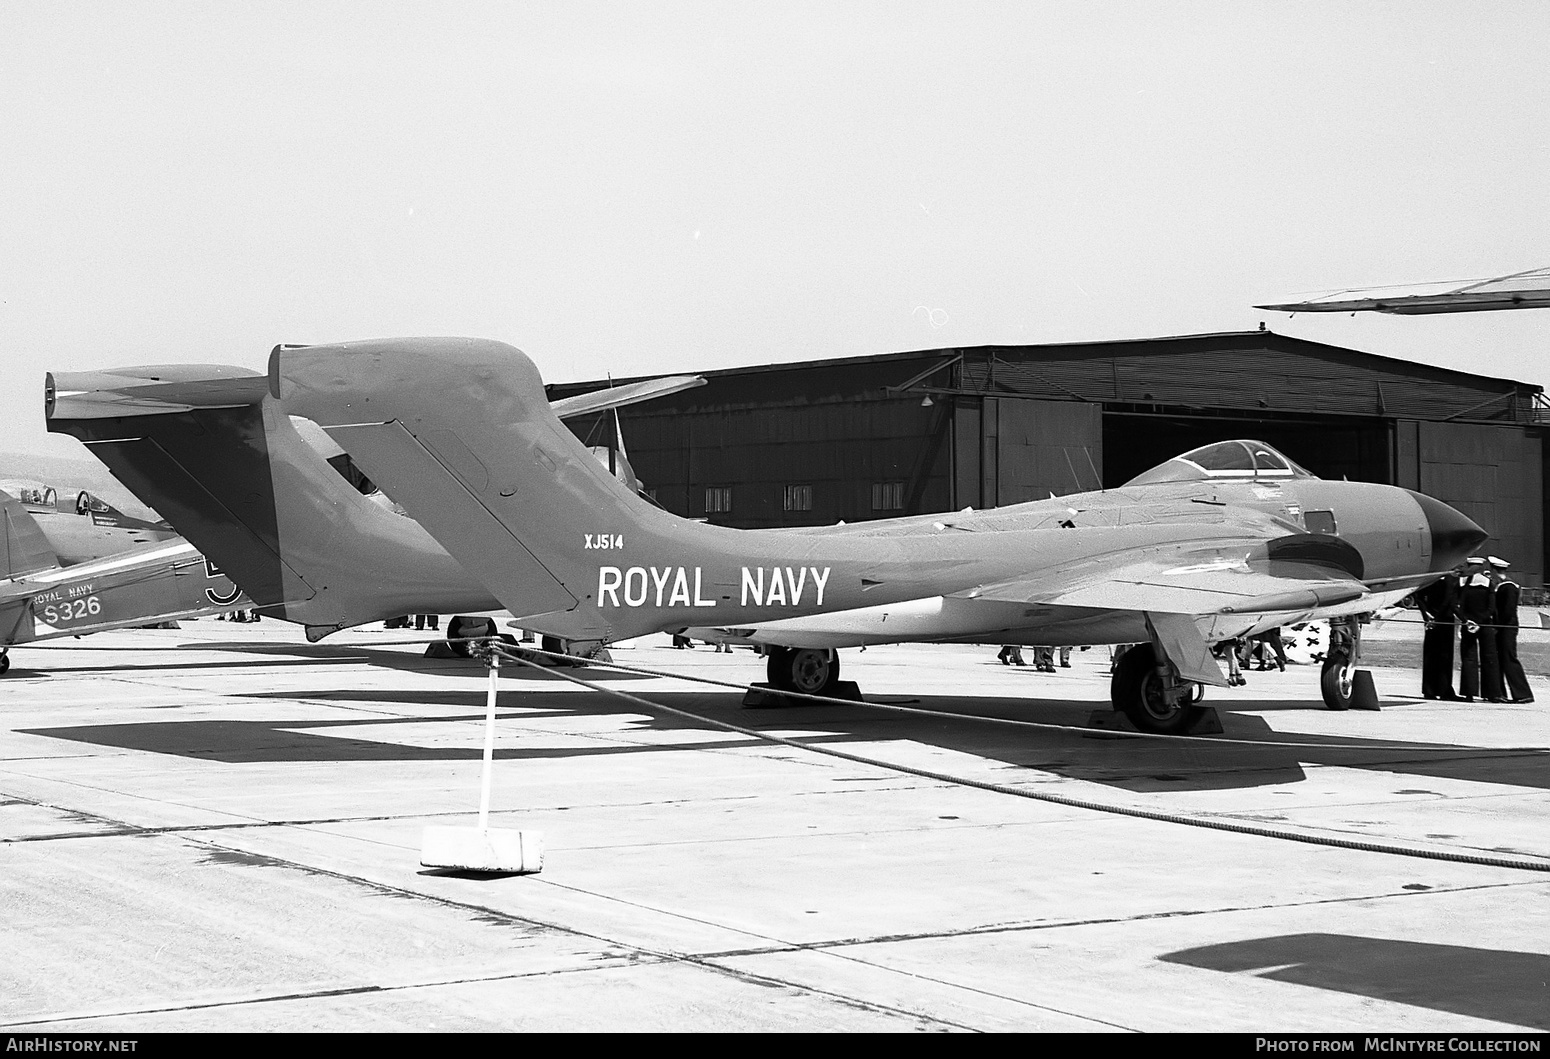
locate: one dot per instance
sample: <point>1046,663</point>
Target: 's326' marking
<point>71,610</point>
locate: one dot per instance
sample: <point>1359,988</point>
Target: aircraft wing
<point>1186,580</point>
<point>1520,290</point>
<point>620,396</point>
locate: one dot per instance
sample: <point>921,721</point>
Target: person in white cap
<point>1506,621</point>
<point>1480,677</point>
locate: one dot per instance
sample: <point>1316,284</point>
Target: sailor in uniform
<point>1439,606</point>
<point>1480,677</point>
<point>1506,620</point>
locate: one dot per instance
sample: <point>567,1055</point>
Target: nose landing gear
<point>1338,682</point>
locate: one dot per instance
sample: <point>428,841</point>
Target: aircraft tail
<point>24,549</point>
<point>206,447</point>
<point>527,509</point>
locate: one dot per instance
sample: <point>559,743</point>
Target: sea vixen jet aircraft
<point>208,447</point>
<point>1221,542</point>
<point>41,599</point>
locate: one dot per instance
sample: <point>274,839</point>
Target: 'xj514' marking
<point>668,586</point>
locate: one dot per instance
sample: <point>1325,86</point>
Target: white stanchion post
<point>483,848</point>
<point>489,744</point>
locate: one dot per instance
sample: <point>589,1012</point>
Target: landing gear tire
<point>5,661</point>
<point>461,629</point>
<point>810,671</point>
<point>555,645</point>
<point>1137,691</point>
<point>1337,681</point>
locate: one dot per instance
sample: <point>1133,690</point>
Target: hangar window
<point>887,496</point>
<point>718,499</point>
<point>799,498</point>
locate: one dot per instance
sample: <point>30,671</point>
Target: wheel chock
<point>1364,696</point>
<point>766,696</point>
<point>1102,722</point>
<point>485,849</point>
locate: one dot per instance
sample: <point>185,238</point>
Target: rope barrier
<point>521,656</point>
<point>826,700</point>
<point>1054,799</point>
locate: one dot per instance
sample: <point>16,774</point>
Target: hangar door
<point>1490,473</point>
<point>1030,449</point>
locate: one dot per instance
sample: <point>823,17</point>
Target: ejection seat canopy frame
<point>1236,461</point>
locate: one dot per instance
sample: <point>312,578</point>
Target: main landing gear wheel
<point>1137,691</point>
<point>5,661</point>
<point>1337,682</point>
<point>807,670</point>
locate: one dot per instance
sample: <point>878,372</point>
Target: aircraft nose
<point>1454,534</point>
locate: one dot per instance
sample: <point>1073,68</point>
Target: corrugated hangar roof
<point>1236,369</point>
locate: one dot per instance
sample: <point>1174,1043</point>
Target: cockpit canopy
<point>29,492</point>
<point>1239,460</point>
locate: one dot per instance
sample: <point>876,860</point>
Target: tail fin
<point>527,513</point>
<point>208,448</point>
<point>24,549</point>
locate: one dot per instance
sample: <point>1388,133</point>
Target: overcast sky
<point>634,188</point>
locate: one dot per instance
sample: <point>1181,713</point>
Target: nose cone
<point>1454,535</point>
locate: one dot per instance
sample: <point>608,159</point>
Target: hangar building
<point>942,429</point>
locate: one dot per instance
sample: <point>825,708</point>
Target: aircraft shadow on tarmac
<point>1130,764</point>
<point>314,654</point>
<point>1494,984</point>
<point>417,662</point>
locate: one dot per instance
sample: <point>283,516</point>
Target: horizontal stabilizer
<point>151,390</point>
<point>620,396</point>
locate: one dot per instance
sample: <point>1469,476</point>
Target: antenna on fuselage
<point>1096,476</point>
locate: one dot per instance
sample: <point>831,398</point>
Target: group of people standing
<point>1043,657</point>
<point>421,621</point>
<point>1477,604</point>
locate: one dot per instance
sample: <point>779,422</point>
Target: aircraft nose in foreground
<point>1454,534</point>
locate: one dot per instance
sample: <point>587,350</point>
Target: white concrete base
<point>483,849</point>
